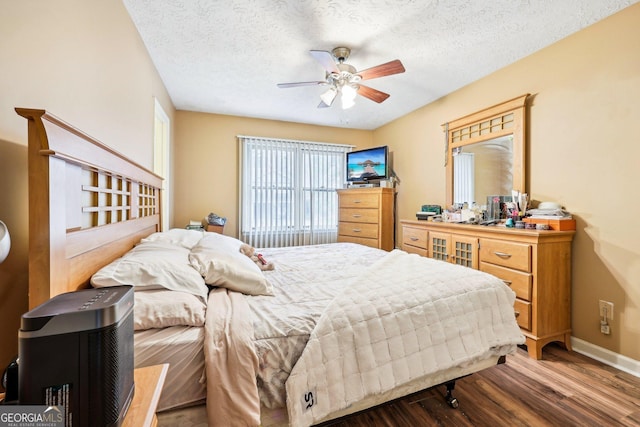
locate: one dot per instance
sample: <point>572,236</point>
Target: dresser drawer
<point>415,250</point>
<point>358,229</point>
<point>507,254</point>
<point>415,237</point>
<point>518,281</point>
<point>359,215</point>
<point>354,200</point>
<point>523,312</point>
<point>360,240</point>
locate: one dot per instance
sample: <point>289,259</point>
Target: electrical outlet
<point>606,309</point>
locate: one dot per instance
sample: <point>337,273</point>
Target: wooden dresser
<point>535,264</point>
<point>366,216</point>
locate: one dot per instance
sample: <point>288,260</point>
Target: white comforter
<point>306,280</point>
<point>401,318</point>
<point>405,317</point>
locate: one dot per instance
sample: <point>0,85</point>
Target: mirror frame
<point>507,118</point>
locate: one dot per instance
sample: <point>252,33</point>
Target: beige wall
<point>206,159</point>
<point>84,62</point>
<point>583,153</point>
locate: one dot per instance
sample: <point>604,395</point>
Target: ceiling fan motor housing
<point>341,53</point>
<point>347,75</point>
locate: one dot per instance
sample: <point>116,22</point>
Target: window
<point>288,191</point>
<point>464,178</point>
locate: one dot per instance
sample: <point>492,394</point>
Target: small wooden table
<point>148,382</point>
<point>215,228</point>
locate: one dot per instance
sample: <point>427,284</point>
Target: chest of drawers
<point>366,216</point>
<point>536,265</point>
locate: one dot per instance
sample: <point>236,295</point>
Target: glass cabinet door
<point>439,246</point>
<point>459,250</point>
<point>464,251</point>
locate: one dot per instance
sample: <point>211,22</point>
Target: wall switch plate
<point>606,309</point>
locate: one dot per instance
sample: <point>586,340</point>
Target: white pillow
<point>153,265</point>
<point>176,236</point>
<point>218,259</point>
<point>163,308</point>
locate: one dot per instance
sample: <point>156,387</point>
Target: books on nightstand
<point>194,225</point>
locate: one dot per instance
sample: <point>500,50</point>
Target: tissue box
<point>559,224</point>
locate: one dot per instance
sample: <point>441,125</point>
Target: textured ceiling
<point>226,57</point>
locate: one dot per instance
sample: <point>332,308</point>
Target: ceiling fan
<point>343,78</point>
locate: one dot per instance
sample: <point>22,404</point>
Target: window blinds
<point>288,191</point>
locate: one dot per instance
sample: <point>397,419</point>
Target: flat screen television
<point>368,164</point>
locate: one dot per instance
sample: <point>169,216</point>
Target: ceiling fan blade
<point>387,69</point>
<point>372,94</point>
<point>326,60</point>
<point>296,84</point>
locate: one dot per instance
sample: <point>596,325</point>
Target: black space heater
<point>76,350</point>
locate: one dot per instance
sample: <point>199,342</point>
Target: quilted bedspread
<point>405,317</point>
<point>305,281</point>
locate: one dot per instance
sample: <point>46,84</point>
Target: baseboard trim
<point>605,356</point>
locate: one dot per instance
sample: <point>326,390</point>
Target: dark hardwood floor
<point>562,389</point>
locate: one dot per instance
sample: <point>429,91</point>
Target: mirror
<point>486,153</point>
<point>483,169</point>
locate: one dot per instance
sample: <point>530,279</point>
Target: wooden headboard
<point>88,205</point>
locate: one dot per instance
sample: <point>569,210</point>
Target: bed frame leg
<point>451,401</point>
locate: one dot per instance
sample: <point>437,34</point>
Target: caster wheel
<point>453,403</point>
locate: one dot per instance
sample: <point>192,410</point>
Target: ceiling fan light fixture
<point>328,96</point>
<point>348,103</point>
<point>348,97</point>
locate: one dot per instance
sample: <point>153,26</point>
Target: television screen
<point>368,164</point>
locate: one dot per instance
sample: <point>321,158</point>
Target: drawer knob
<point>503,254</point>
<point>507,282</point>
<point>414,239</point>
<point>356,230</point>
<point>517,313</point>
<point>356,215</point>
<point>356,201</point>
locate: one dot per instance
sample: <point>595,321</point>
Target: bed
<point>332,330</point>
